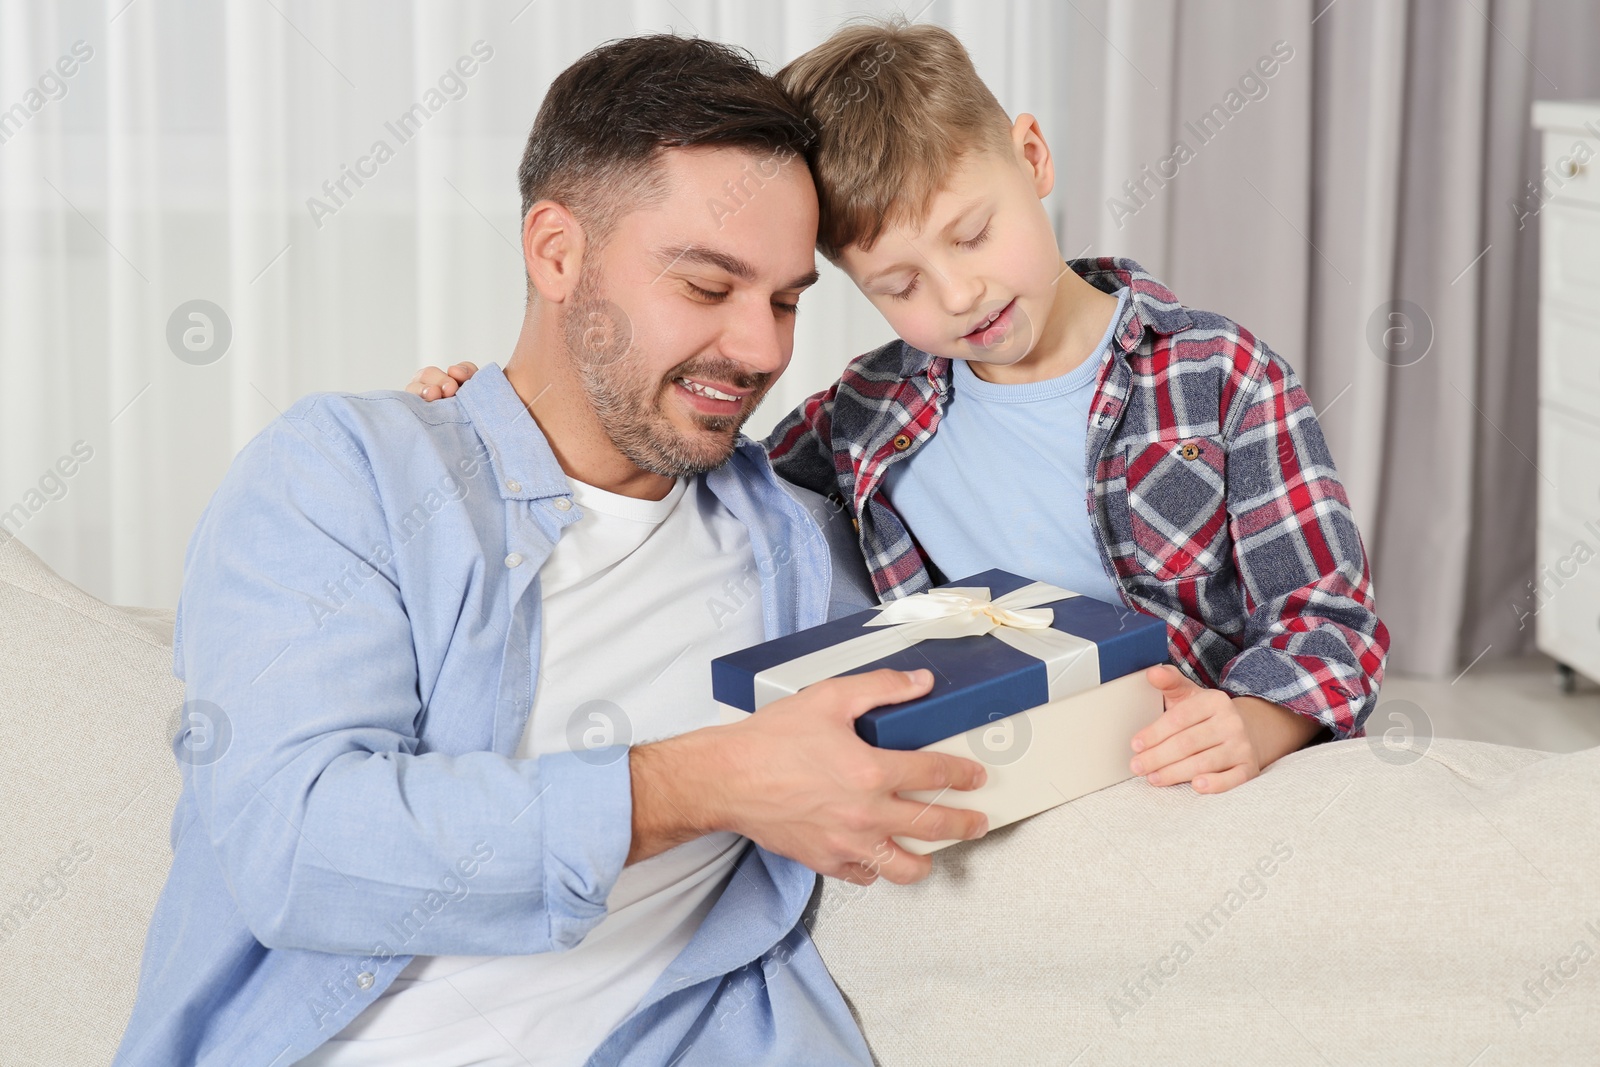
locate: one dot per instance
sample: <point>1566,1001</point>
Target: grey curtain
<point>1363,210</point>
<point>1338,155</point>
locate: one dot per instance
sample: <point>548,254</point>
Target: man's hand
<point>796,779</point>
<point>431,383</point>
<point>1211,739</point>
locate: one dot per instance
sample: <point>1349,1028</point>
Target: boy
<point>1070,422</point>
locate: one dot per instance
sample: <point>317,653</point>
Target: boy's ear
<point>1027,139</point>
<point>552,249</point>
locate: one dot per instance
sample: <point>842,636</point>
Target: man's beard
<point>600,340</point>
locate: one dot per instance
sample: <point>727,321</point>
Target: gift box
<point>997,644</point>
<point>1042,684</point>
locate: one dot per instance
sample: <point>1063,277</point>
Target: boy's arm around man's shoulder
<point>800,447</point>
<point>802,454</point>
<point>1312,641</point>
<point>328,824</point>
<point>803,447</point>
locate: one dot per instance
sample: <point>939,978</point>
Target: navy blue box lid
<point>976,679</point>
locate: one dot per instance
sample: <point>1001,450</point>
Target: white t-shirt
<point>626,625</point>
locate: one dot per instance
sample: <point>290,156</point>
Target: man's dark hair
<point>607,116</point>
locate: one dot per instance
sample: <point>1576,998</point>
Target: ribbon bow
<point>1072,663</point>
<point>968,612</point>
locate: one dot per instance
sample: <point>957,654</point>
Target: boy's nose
<point>961,296</point>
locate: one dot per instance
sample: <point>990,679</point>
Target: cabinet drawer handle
<point>1569,168</point>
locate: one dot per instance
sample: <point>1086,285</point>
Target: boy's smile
<point>994,330</point>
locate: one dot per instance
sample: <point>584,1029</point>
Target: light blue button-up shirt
<point>359,636</point>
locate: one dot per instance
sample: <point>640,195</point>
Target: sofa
<point>1362,902</point>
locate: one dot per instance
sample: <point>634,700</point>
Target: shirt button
<point>562,503</point>
<point>1189,451</point>
<point>514,486</point>
<point>901,442</point>
<point>364,979</point>
<point>514,559</point>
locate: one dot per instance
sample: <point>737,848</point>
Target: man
<point>429,633</point>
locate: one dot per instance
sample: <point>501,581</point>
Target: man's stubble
<point>602,344</point>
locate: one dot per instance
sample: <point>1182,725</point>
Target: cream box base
<point>1044,756</point>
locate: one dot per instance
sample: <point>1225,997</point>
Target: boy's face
<point>976,279</point>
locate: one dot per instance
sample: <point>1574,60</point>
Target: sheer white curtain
<point>206,152</point>
<point>1337,155</point>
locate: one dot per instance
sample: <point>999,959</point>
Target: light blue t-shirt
<point>1002,483</point>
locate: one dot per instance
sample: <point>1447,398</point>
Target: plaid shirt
<point>1212,494</point>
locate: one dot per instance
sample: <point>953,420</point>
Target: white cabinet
<point>1566,589</point>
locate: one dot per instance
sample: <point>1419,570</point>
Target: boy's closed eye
<point>982,236</point>
<point>972,242</point>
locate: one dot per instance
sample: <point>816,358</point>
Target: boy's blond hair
<point>894,106</point>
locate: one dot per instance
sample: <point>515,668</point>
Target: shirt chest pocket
<point>1177,496</point>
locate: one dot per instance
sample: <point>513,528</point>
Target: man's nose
<point>754,337</point>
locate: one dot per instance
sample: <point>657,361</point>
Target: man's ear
<point>552,249</point>
<point>1034,154</point>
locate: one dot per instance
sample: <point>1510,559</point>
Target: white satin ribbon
<point>969,612</point>
<point>1072,663</point>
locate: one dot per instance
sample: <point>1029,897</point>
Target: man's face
<point>976,279</point>
<point>685,317</point>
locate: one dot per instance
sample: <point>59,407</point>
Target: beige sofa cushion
<point>88,706</point>
<point>1407,905</point>
<point>1416,901</point>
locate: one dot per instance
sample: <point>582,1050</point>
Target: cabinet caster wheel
<point>1566,678</point>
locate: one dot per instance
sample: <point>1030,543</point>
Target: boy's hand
<point>1212,739</point>
<point>1200,738</point>
<point>431,383</point>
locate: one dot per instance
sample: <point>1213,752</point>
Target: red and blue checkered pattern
<point>1215,501</point>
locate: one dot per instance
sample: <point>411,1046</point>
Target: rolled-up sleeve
<point>332,830</point>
